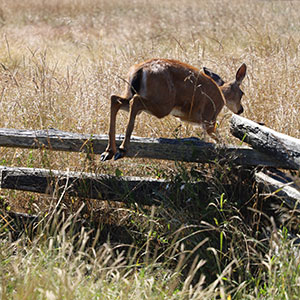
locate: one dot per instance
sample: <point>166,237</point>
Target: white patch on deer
<point>143,90</point>
<point>176,112</point>
<point>157,66</point>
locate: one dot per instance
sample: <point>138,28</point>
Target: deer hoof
<point>120,154</point>
<point>107,155</point>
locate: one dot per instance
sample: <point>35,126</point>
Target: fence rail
<point>186,149</point>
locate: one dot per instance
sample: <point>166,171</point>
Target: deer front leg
<point>135,106</point>
<point>111,149</point>
<point>211,129</point>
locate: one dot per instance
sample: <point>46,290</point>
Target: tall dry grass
<point>61,60</point>
<point>59,63</point>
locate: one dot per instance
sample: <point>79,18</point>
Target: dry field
<point>61,60</point>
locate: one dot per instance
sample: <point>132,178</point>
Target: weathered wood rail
<point>127,189</point>
<point>187,149</point>
<point>266,140</point>
<point>85,185</point>
<point>277,184</point>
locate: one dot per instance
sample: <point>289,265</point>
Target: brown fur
<point>166,87</point>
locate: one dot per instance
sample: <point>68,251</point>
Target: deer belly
<point>177,112</point>
<point>183,116</point>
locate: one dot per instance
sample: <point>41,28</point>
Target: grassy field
<point>60,61</point>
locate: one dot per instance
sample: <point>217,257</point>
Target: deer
<point>163,87</point>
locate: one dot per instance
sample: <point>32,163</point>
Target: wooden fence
<point>270,149</point>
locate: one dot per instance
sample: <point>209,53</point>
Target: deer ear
<point>241,73</point>
<point>217,79</point>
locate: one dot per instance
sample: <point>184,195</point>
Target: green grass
<point>65,262</point>
<point>60,61</point>
<point>198,244</point>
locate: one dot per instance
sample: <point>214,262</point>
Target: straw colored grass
<point>61,60</point>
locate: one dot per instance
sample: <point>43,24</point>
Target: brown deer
<point>162,87</point>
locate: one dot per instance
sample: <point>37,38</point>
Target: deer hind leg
<point>135,106</point>
<point>116,103</point>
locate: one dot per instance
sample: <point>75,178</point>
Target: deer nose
<point>241,110</point>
